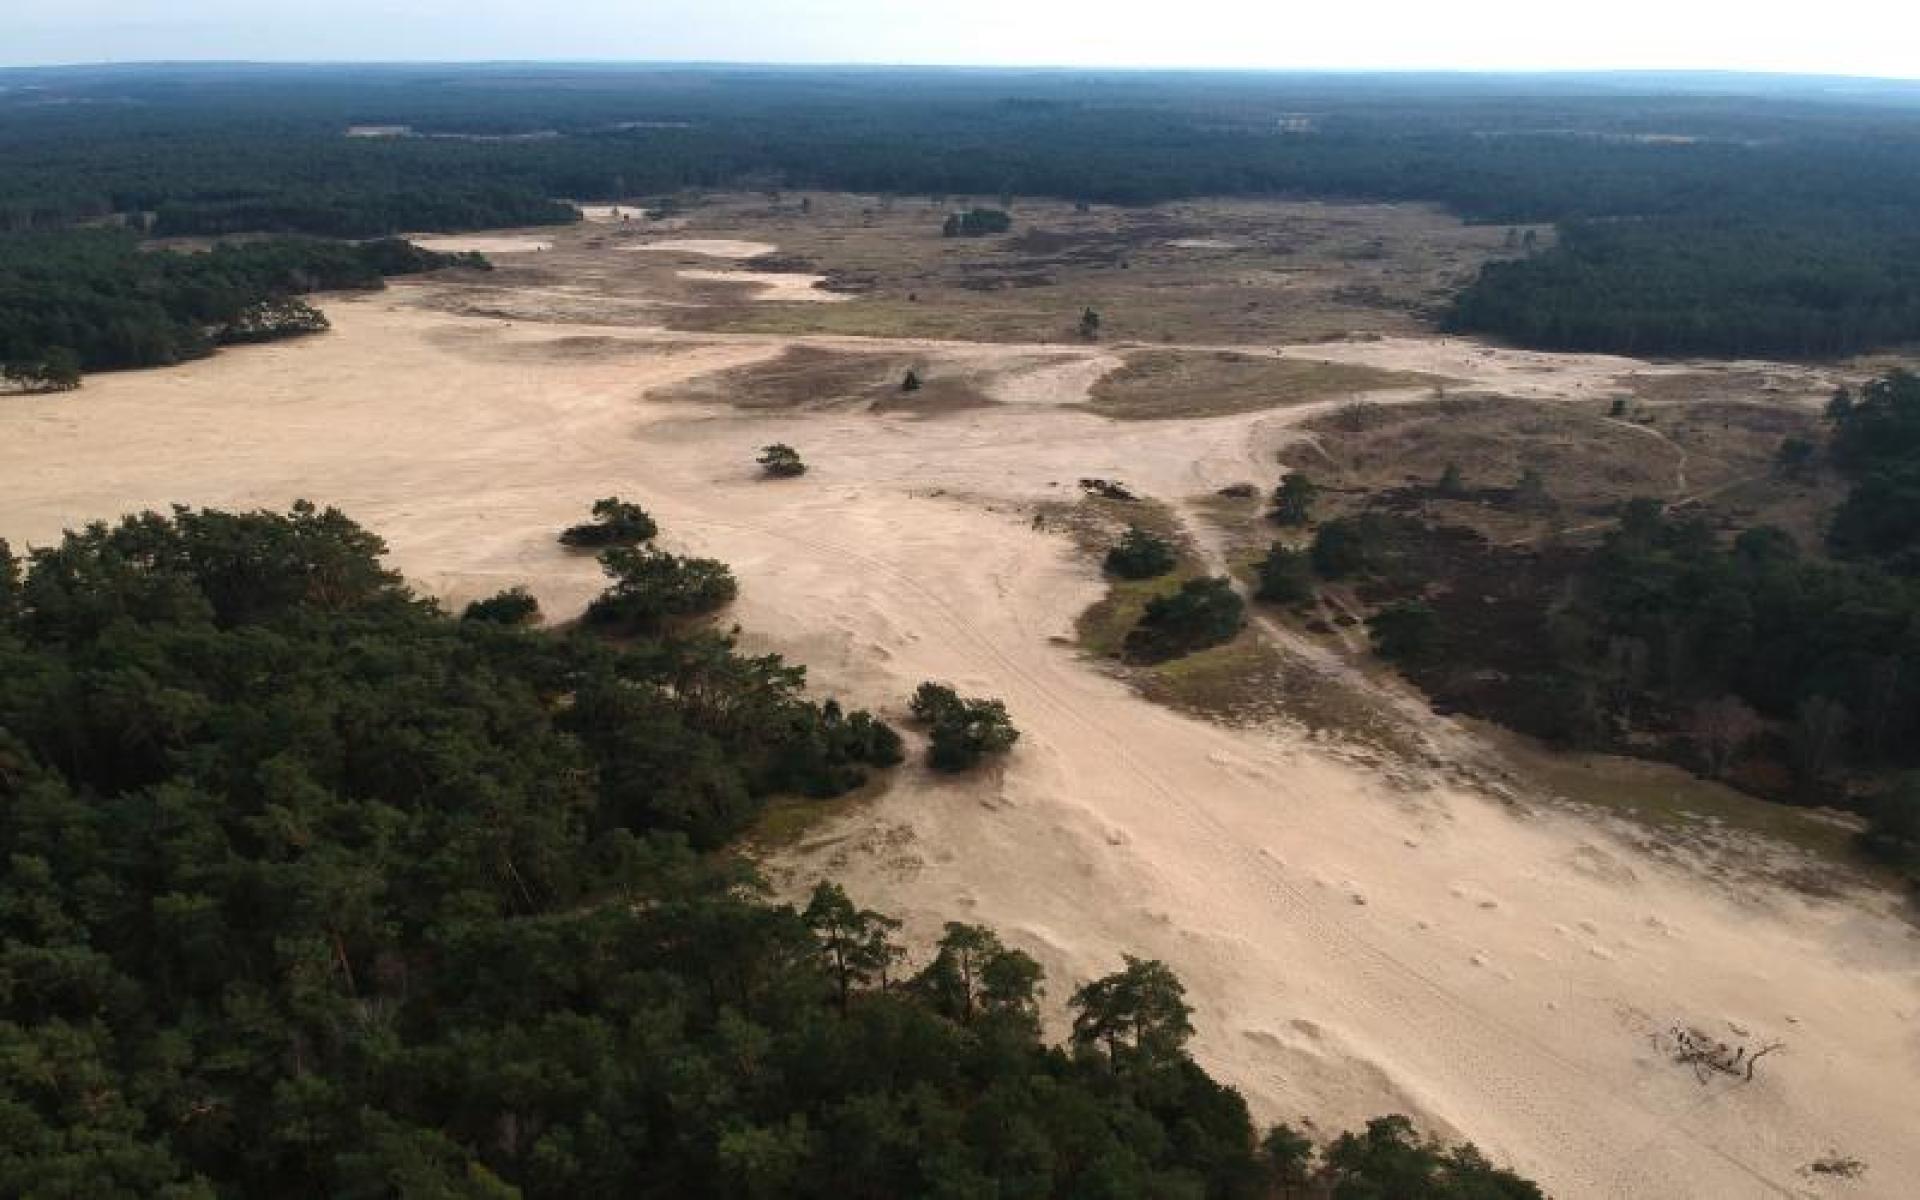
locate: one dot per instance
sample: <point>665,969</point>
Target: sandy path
<point>1352,944</point>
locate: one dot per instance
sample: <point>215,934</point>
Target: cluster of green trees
<point>1285,576</point>
<point>1664,614</point>
<point>615,523</point>
<point>1404,631</point>
<point>651,587</point>
<point>1140,555</point>
<point>1742,647</point>
<point>94,300</point>
<point>961,731</point>
<point>1293,499</point>
<point>51,369</point>
<point>1346,546</point>
<point>1203,612</point>
<point>1876,441</point>
<point>311,890</point>
<point>514,606</point>
<point>1892,834</point>
<point>1666,617</point>
<point>1779,222</point>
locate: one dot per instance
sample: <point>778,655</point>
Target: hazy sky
<point>1853,37</point>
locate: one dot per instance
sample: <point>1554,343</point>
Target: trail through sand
<point>1356,939</point>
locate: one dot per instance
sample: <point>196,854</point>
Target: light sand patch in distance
<point>605,214</point>
<point>480,244</point>
<point>771,285</point>
<point>708,247</point>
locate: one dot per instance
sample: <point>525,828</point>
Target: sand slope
<point>1355,938</point>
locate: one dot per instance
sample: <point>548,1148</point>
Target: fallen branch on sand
<point>1707,1054</point>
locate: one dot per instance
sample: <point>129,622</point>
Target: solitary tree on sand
<point>781,461</point>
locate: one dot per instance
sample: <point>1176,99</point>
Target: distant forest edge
<point>1693,220</point>
<point>91,299</point>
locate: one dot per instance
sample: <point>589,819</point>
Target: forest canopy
<point>311,890</point>
<point>95,297</point>
<point>1714,215</point>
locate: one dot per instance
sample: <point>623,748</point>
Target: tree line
<point>1788,284</point>
<point>1778,224</point>
<point>93,299</point>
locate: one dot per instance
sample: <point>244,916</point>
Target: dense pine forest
<point>1699,214</point>
<point>313,890</point>
<point>92,299</point>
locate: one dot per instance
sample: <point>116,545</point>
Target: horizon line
<point>1753,73</point>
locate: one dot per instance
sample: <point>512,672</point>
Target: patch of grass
<point>788,820</point>
<point>1096,524</point>
<point>1237,681</point>
<point>1682,808</point>
<point>1160,385</point>
<point>807,378</point>
<point>950,318</point>
<point>1102,629</point>
<point>1219,271</point>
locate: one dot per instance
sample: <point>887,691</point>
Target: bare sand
<point>479,244</point>
<point>708,247</point>
<point>610,213</point>
<point>772,285</point>
<point>1356,936</point>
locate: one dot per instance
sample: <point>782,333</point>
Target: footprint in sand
<point>1478,897</point>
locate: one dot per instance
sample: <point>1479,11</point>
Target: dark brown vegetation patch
<point>807,378</point>
<point>1174,384</point>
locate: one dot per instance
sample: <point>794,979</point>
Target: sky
<point>1842,37</point>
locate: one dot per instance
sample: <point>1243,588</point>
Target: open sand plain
<point>1359,933</point>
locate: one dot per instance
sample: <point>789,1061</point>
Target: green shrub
<point>1140,555</point>
<point>1293,499</point>
<point>962,731</point>
<point>1893,826</point>
<point>1341,548</point>
<point>1286,576</point>
<point>615,523</point>
<point>515,606</point>
<point>781,461</point>
<point>1406,631</point>
<point>651,586</point>
<point>1203,613</point>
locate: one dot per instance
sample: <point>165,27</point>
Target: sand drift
<point>1357,936</point>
